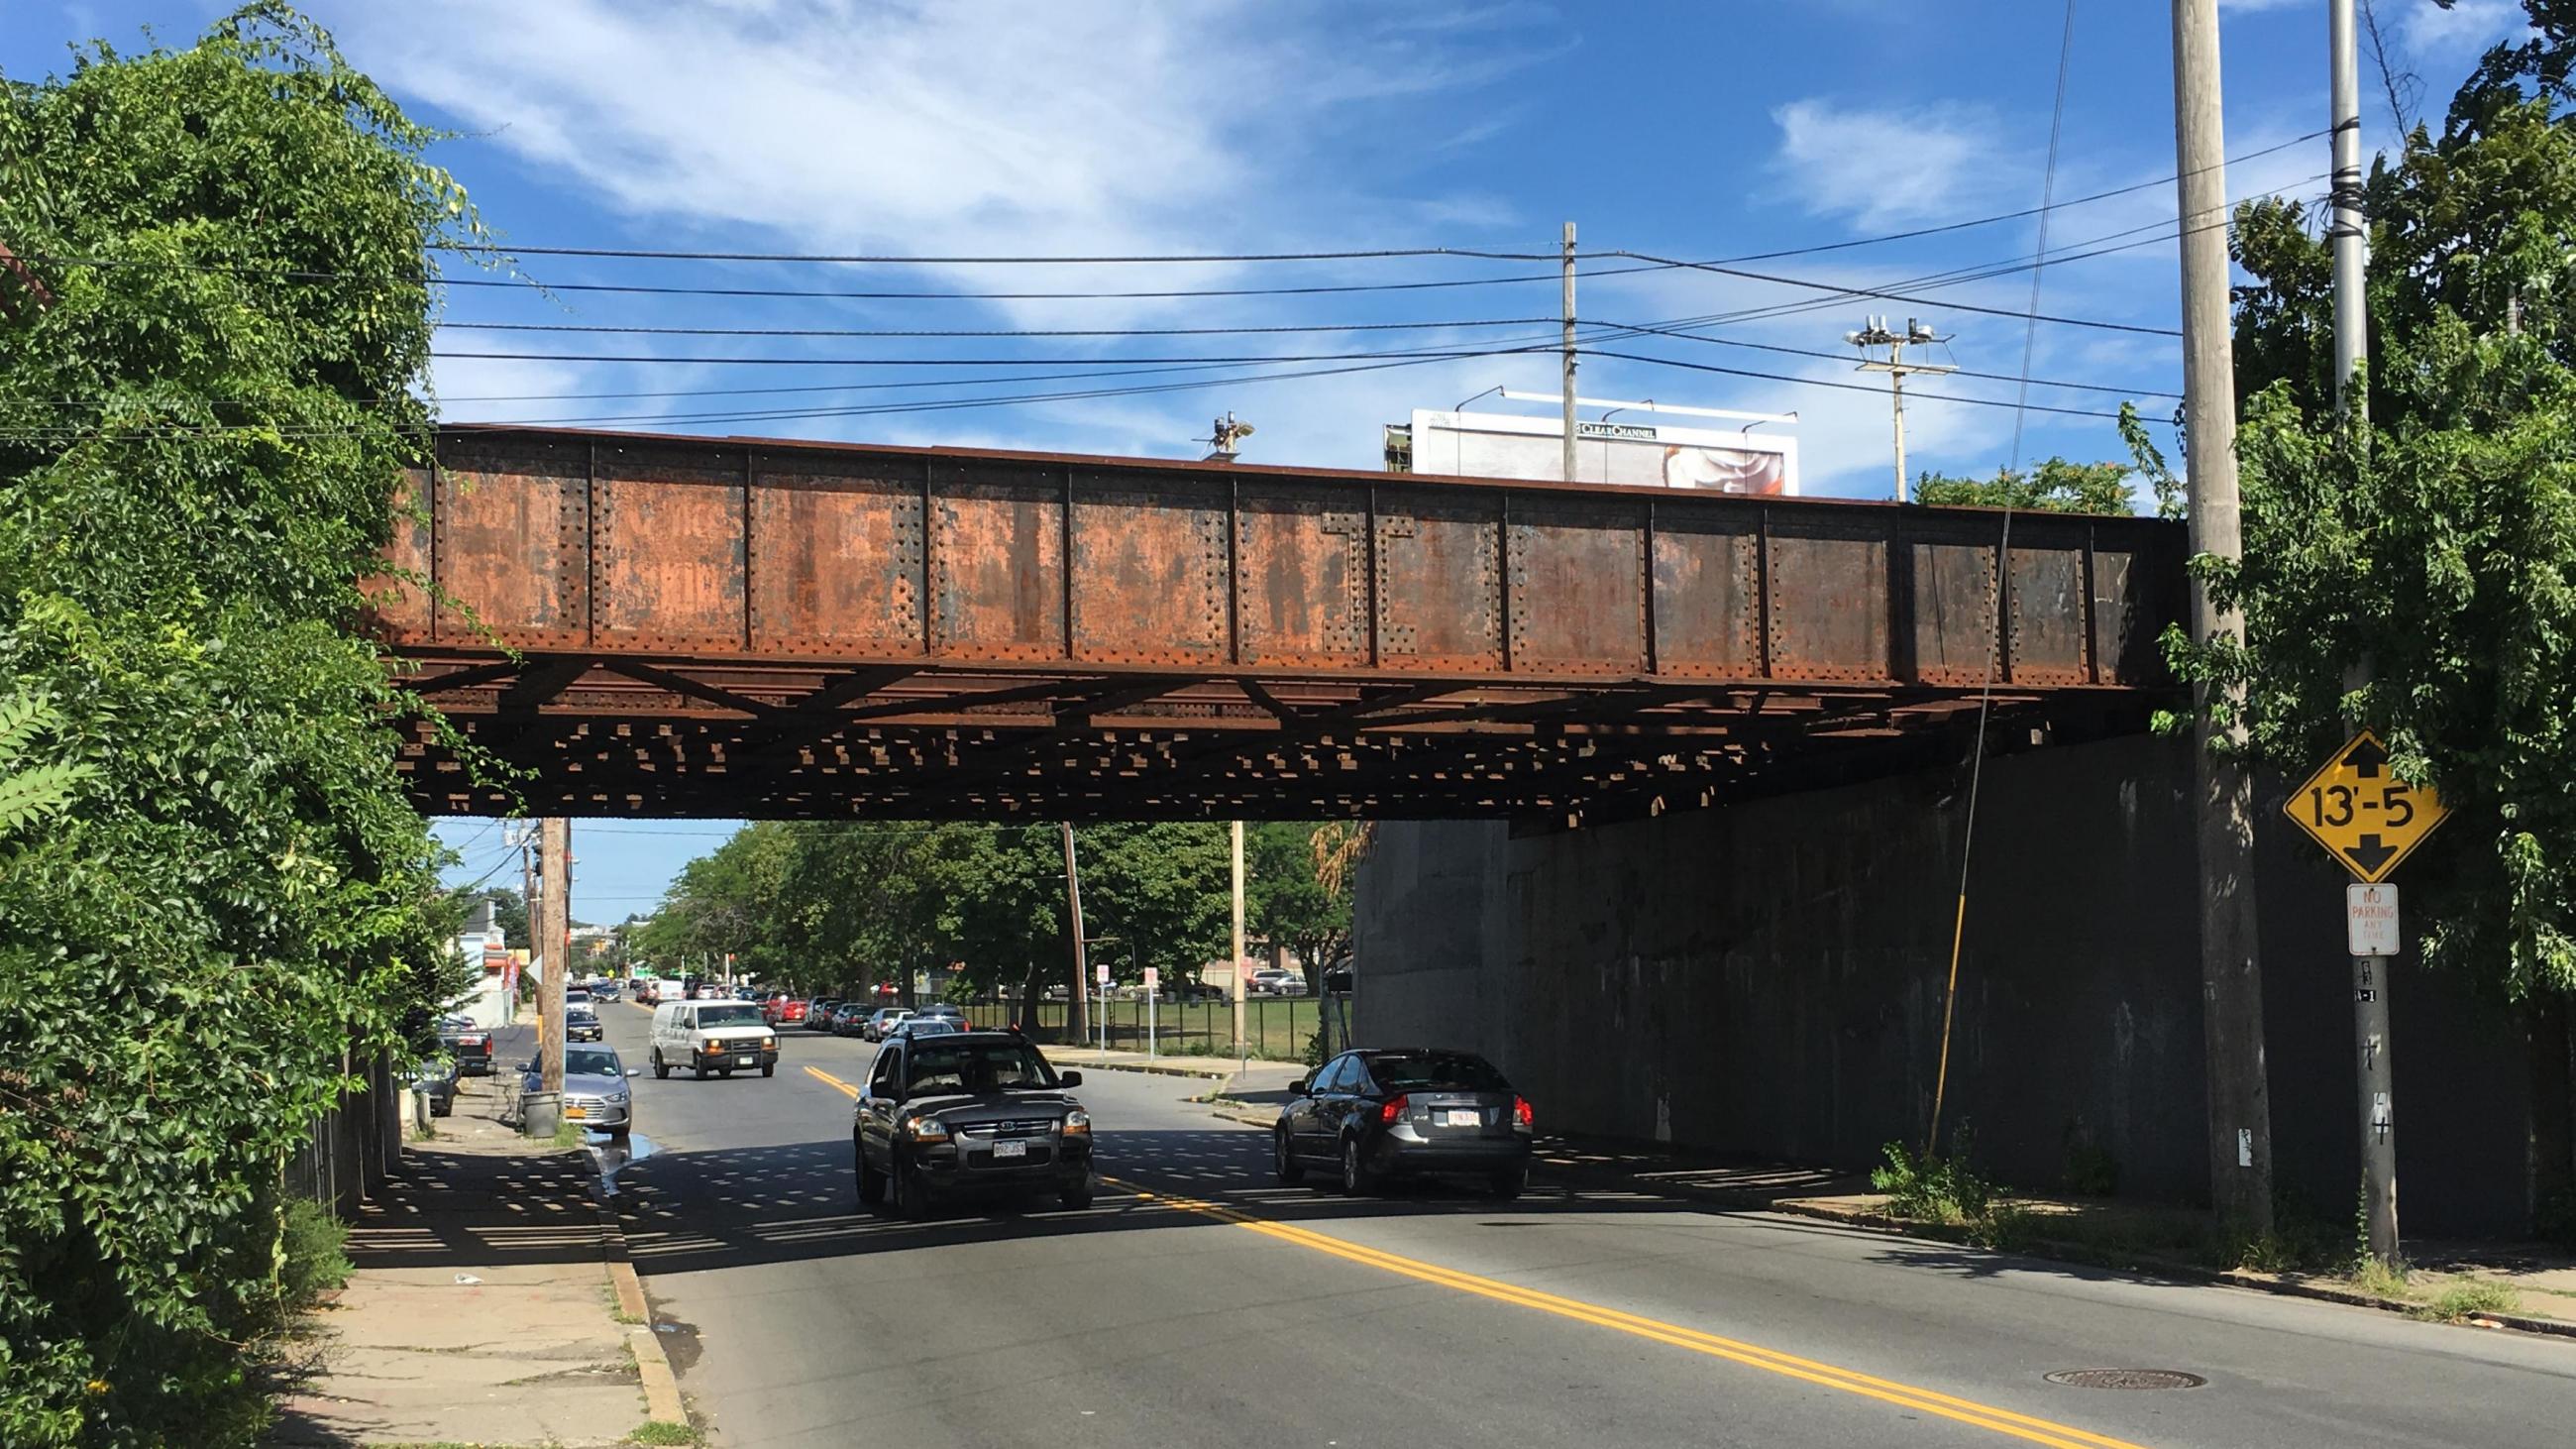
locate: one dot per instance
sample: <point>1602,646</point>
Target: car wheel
<point>872,1183</point>
<point>1291,1171</point>
<point>910,1196</point>
<point>769,1069</point>
<point>1510,1183</point>
<point>1357,1180</point>
<point>661,1068</point>
<point>621,1133</point>
<point>698,1071</point>
<point>725,1072</point>
<point>1077,1195</point>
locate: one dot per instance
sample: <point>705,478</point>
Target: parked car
<point>924,1025</point>
<point>646,991</point>
<point>1276,983</point>
<point>712,1036</point>
<point>942,1008</point>
<point>469,1044</point>
<point>576,996</point>
<point>875,1025</point>
<point>436,1080</point>
<point>1379,1113</point>
<point>595,1094</point>
<point>606,989</point>
<point>1192,989</point>
<point>783,1010</point>
<point>850,1018</point>
<point>581,1023</point>
<point>818,1012</point>
<point>949,1113</point>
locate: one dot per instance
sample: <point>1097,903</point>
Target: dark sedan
<point>955,1113</point>
<point>581,1023</point>
<point>1384,1112</point>
<point>469,1044</point>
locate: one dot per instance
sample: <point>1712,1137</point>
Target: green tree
<point>199,449</point>
<point>1285,903</point>
<point>2056,486</point>
<point>2437,543</point>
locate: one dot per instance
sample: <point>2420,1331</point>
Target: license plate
<point>748,1061</point>
<point>1010,1149</point>
<point>1468,1118</point>
<point>576,1111</point>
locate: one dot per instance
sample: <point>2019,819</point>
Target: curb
<point>660,1382</point>
<point>1157,1069</point>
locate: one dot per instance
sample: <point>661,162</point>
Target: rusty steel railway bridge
<point>677,626</point>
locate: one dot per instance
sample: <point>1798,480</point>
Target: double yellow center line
<point>1751,1355</point>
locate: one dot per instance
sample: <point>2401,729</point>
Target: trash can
<point>540,1113</point>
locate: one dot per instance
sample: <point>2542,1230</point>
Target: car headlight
<point>767,1042</point>
<point>1077,1123</point>
<point>925,1129</point>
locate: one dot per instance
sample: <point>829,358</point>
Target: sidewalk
<point>1257,1079</point>
<point>491,1306</point>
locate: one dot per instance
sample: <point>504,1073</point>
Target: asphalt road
<point>1199,1303</point>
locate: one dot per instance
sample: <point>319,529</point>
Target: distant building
<point>491,1000</point>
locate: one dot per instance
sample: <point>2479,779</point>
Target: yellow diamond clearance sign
<point>2365,817</point>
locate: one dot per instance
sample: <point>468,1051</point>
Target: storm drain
<point>2115,1378</point>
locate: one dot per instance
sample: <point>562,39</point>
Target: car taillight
<point>1391,1110</point>
<point>1521,1112</point>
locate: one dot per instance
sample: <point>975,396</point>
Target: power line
<point>890,259</point>
<point>1656,331</point>
<point>993,331</point>
<point>1838,386</point>
<point>2030,329</point>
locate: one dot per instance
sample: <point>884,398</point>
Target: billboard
<point>1646,455</point>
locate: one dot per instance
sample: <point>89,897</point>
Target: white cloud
<point>1891,167</point>
<point>2432,33</point>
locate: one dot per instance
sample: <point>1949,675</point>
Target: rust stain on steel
<point>997,545</point>
<point>1301,586</point>
<point>1828,606</point>
<point>848,556</point>
<point>513,545</point>
<point>1439,581</point>
<point>1149,570</point>
<point>2047,615</point>
<point>668,549</point>
<point>1577,595</point>
<point>1708,614</point>
<point>1954,603</point>
<point>398,610</point>
<point>838,559</point>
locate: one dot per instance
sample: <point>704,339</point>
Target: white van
<point>712,1036</point>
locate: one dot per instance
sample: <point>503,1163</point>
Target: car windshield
<point>985,1066</point>
<point>929,1025</point>
<point>591,1061</point>
<point>1435,1071</point>
<point>580,1013</point>
<point>729,1016</point>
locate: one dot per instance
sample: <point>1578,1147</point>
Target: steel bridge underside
<point>683,627</point>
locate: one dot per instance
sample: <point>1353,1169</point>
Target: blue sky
<point>1087,127</point>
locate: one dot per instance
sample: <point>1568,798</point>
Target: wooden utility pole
<point>1569,470</point>
<point>1075,1017</point>
<point>2231,973</point>
<point>2372,1041</point>
<point>553,929</point>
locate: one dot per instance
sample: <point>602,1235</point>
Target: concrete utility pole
<point>1075,1000</point>
<point>2231,975</point>
<point>528,905</point>
<point>2373,1045</point>
<point>1569,460</point>
<point>1875,334</point>
<point>553,929</point>
<point>1242,978</point>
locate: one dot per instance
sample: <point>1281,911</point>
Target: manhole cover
<point>2126,1379</point>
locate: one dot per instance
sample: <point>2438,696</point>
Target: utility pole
<point>2231,974</point>
<point>1874,333</point>
<point>1243,978</point>
<point>1569,477</point>
<point>551,925</point>
<point>526,839</point>
<point>1075,1000</point>
<point>2373,1045</point>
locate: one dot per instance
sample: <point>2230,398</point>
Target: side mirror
<point>1070,1079</point>
<point>634,1071</point>
<point>1301,1088</point>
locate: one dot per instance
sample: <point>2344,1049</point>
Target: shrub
<point>2468,1299</point>
<point>1935,1189</point>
